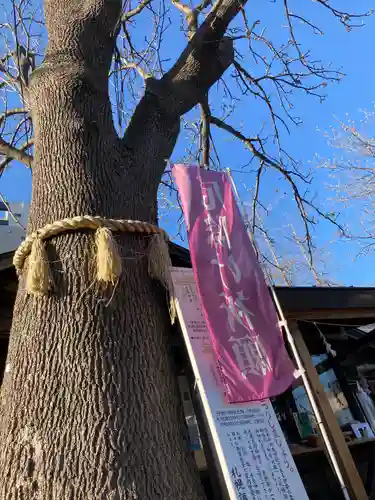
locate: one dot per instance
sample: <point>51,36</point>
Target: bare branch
<point>8,77</point>
<point>345,18</point>
<point>202,63</point>
<point>127,16</point>
<point>203,5</point>
<point>132,65</point>
<point>314,27</point>
<point>268,72</point>
<point>14,153</point>
<point>263,95</point>
<point>316,70</point>
<point>204,60</point>
<point>11,112</point>
<point>182,7</point>
<point>191,16</point>
<point>301,201</point>
<point>205,132</point>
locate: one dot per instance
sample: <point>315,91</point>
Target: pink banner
<point>240,315</point>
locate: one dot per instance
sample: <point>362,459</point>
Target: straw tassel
<point>108,261</point>
<point>159,268</point>
<point>38,279</point>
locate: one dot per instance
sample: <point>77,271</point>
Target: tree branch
<point>301,201</point>
<point>346,18</point>
<point>205,132</point>
<point>11,112</point>
<point>191,16</point>
<point>14,153</point>
<point>157,116</point>
<point>137,10</point>
<point>132,65</point>
<point>206,57</point>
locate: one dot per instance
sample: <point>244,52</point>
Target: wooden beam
<point>332,314</point>
<point>299,299</point>
<point>359,344</point>
<point>343,456</point>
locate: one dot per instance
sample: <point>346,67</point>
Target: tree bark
<point>89,406</point>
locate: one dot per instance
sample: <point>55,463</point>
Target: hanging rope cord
<point>108,260</point>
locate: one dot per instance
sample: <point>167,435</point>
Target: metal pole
<point>297,357</point>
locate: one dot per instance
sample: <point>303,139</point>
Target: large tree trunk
<point>89,404</point>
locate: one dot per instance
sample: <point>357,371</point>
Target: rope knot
<point>108,260</point>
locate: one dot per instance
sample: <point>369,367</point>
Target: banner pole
<point>296,353</point>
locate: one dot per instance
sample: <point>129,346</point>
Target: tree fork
<point>89,405</point>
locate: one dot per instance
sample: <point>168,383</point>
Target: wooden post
<point>349,471</point>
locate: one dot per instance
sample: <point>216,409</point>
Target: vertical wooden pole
<point>352,479</point>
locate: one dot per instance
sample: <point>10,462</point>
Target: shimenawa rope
<point>108,261</point>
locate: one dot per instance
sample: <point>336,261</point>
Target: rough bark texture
<point>89,404</point>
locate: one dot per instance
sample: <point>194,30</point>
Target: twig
<point>301,201</point>
<point>345,17</point>
<point>137,10</point>
<point>11,112</point>
<point>132,65</point>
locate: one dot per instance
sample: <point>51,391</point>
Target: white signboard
<point>254,457</point>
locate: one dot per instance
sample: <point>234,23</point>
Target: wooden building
<point>332,330</point>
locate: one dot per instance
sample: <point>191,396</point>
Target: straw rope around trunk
<point>108,261</point>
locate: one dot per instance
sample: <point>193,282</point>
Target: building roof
<point>349,305</point>
<point>331,310</point>
<point>356,304</point>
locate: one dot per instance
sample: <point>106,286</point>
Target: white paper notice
<point>254,457</point>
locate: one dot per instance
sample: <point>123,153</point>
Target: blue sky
<point>350,51</point>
